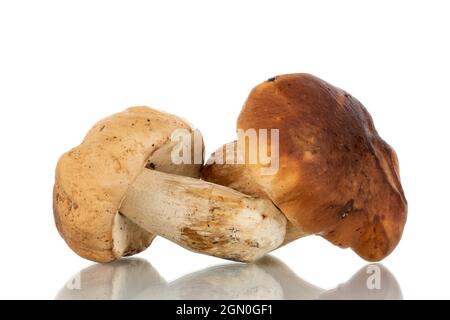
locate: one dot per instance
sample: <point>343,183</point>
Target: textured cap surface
<point>337,177</point>
<point>92,180</point>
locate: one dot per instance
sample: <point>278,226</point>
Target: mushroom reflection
<point>269,278</point>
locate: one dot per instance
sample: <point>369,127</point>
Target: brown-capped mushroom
<point>337,178</point>
<point>120,187</point>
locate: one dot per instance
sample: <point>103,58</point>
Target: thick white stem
<point>204,217</point>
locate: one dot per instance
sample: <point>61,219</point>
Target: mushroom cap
<point>337,177</point>
<point>93,178</point>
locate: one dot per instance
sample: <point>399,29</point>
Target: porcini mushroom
<point>336,178</point>
<point>119,188</point>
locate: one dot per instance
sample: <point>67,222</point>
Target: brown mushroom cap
<point>93,178</point>
<point>337,177</point>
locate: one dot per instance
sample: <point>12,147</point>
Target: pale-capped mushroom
<point>120,187</point>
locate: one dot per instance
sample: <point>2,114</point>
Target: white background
<point>64,65</point>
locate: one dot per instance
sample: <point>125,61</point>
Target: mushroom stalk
<point>204,217</point>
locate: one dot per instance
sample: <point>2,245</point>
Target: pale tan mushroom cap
<point>93,178</point>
